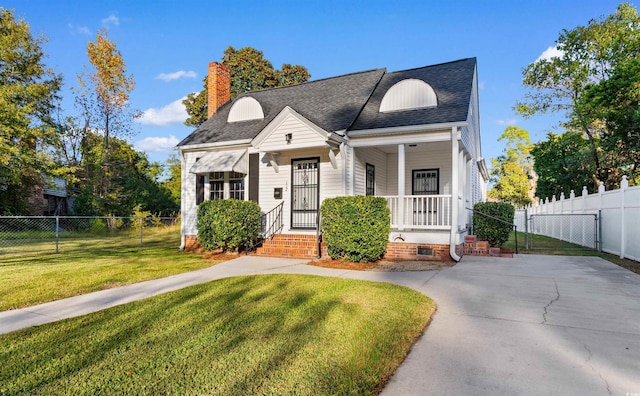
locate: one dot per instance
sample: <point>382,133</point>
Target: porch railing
<point>421,211</point>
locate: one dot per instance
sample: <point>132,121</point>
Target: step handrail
<point>515,227</point>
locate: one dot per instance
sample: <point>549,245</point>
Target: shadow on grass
<point>269,334</point>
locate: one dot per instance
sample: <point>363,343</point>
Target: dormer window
<point>245,109</point>
<point>409,94</point>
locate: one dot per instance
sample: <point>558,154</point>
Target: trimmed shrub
<point>356,228</point>
<point>489,229</point>
<point>228,224</point>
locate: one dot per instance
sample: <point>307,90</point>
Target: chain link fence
<point>581,231</point>
<point>23,235</point>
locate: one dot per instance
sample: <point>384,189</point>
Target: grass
<point>34,274</point>
<point>552,246</point>
<point>268,335</point>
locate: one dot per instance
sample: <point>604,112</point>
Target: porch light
<point>288,137</point>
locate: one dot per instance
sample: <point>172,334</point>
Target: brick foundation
<point>191,243</point>
<point>409,251</point>
<point>305,246</point>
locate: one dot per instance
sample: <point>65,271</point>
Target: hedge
<point>355,228</point>
<point>489,229</point>
<point>228,224</point>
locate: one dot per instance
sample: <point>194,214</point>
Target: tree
<point>560,165</point>
<point>512,172</point>
<point>616,101</point>
<point>28,94</point>
<point>103,97</point>
<point>250,71</point>
<point>588,55</point>
<point>134,181</point>
<point>110,87</point>
<point>173,182</point>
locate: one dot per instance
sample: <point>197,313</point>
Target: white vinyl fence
<point>618,212</point>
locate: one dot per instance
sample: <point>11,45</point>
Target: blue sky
<point>167,45</point>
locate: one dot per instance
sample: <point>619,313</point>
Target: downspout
<point>454,194</point>
<point>183,167</point>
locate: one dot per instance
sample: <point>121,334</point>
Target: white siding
<point>378,159</point>
<point>188,208</point>
<point>330,180</point>
<point>435,156</point>
<point>302,136</point>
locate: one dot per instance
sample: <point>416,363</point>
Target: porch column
<point>401,164</point>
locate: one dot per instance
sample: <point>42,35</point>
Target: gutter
<point>455,194</point>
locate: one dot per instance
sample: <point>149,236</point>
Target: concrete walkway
<point>528,325</point>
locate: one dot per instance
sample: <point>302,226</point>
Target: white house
<point>411,136</point>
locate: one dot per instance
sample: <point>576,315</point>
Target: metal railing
<point>272,221</point>
<point>421,211</point>
<point>501,221</point>
<point>27,234</point>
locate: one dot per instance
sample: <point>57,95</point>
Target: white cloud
<point>156,144</point>
<point>79,29</point>
<point>111,19</point>
<point>549,53</point>
<point>176,75</point>
<point>509,121</point>
<point>173,113</point>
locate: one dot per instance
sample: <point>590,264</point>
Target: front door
<point>305,192</point>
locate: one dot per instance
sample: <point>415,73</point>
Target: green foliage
<point>250,71</point>
<point>512,172</point>
<point>28,94</point>
<point>617,102</point>
<point>132,182</point>
<point>173,182</point>
<point>489,229</point>
<point>228,224</point>
<point>604,49</point>
<point>560,164</point>
<point>356,228</point>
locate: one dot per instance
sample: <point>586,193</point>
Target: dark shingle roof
<point>350,102</point>
<point>331,103</point>
<point>452,83</point>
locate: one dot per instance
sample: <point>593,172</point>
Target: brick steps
<point>473,247</point>
<point>289,245</point>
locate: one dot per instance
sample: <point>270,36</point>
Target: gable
<point>290,130</point>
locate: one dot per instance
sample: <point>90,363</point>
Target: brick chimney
<point>218,87</point>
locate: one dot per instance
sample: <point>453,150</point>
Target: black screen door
<point>305,181</point>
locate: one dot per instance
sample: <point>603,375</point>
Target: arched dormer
<point>245,109</point>
<point>407,95</point>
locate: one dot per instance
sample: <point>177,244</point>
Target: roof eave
<point>405,129</point>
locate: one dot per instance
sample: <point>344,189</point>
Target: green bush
<point>355,228</point>
<point>228,224</point>
<point>489,229</point>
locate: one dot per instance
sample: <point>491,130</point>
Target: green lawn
<point>35,274</point>
<point>267,335</point>
<point>546,245</point>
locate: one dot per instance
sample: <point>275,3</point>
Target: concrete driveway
<point>532,325</point>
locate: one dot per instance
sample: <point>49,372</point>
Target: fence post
<point>140,231</point>
<point>57,232</point>
<point>526,228</point>
<point>599,228</point>
<point>584,211</point>
<point>624,184</point>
